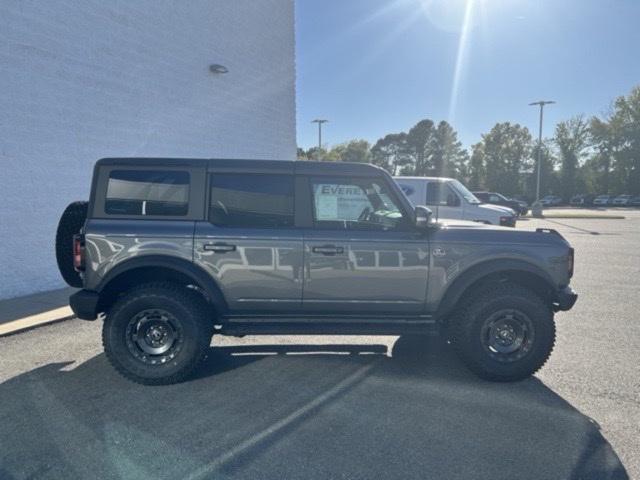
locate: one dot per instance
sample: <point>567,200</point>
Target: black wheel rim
<point>507,335</point>
<point>154,336</point>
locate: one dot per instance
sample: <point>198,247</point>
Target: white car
<point>551,201</point>
<point>621,200</point>
<point>602,200</point>
<point>450,199</point>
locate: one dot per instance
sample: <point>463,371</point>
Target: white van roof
<point>431,179</point>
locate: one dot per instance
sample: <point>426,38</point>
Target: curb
<point>586,217</point>
<point>38,320</point>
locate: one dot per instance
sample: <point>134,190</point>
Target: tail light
<point>570,262</point>
<point>78,253</point>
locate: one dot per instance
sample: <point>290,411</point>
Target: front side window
<point>442,195</point>
<point>251,200</point>
<point>354,204</point>
<point>147,192</point>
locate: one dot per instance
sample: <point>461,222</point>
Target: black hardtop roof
<point>264,166</point>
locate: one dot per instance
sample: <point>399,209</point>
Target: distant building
<point>84,80</point>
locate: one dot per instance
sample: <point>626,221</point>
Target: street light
<point>319,121</point>
<point>542,103</point>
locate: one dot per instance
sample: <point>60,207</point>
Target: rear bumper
<point>84,304</point>
<point>565,299</point>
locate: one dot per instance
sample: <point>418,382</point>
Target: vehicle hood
<point>497,208</point>
<point>475,232</point>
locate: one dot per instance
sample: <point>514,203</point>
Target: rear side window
<point>147,192</point>
<point>251,200</point>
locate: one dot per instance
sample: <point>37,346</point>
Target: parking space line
<point>50,316</point>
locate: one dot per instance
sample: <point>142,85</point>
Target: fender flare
<point>471,275</point>
<point>182,266</point>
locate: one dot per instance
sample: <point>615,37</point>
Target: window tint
<point>441,194</point>
<point>251,200</point>
<point>354,204</point>
<point>147,192</point>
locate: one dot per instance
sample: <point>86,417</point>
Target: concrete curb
<point>33,321</point>
<point>585,217</point>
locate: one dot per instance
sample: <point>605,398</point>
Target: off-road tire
<point>187,307</point>
<point>466,332</point>
<point>71,222</point>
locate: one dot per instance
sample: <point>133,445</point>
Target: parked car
<point>170,252</point>
<point>448,198</point>
<point>551,201</point>
<point>602,200</point>
<point>635,201</point>
<point>621,200</point>
<point>582,200</point>
<point>494,198</point>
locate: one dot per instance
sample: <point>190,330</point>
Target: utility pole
<point>319,121</point>
<point>542,103</point>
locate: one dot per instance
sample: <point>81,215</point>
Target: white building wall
<point>81,80</point>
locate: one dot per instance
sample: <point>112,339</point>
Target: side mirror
<point>422,216</point>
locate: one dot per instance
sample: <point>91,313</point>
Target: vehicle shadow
<point>297,411</point>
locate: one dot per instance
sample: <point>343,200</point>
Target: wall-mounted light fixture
<point>216,68</point>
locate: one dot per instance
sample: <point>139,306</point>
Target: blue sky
<point>374,67</point>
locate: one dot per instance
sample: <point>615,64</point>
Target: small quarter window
<point>251,200</point>
<point>147,192</point>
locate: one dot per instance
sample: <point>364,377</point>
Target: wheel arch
<point>154,268</point>
<point>495,271</point>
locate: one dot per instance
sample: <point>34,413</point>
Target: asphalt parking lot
<point>344,407</point>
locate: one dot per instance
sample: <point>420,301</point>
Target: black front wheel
<point>157,334</point>
<point>504,333</point>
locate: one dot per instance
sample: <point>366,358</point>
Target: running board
<point>327,325</point>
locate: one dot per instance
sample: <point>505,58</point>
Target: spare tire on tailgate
<point>71,222</point>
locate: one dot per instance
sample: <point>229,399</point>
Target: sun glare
<point>463,47</point>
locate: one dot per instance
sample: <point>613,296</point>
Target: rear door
<point>362,254</point>
<point>249,243</point>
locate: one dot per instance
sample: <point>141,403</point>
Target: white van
<point>450,199</point>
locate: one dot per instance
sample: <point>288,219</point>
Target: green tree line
<point>597,155</point>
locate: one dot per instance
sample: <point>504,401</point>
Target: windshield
<point>464,191</point>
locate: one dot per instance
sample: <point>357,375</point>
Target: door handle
<point>219,247</point>
<point>328,250</point>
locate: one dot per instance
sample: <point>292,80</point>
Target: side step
<point>328,325</point>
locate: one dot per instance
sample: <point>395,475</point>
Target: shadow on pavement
<point>297,411</point>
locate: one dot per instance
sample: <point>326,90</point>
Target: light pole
<point>319,121</point>
<point>542,103</point>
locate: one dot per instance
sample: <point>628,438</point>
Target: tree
<point>605,140</point>
<point>476,169</point>
<point>351,151</point>
<point>419,143</point>
<point>390,152</point>
<point>506,152</point>
<point>571,138</point>
<point>625,126</point>
<point>448,157</point>
<point>549,179</point>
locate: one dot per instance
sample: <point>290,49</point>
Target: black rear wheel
<point>504,333</point>
<point>71,221</point>
<point>157,334</point>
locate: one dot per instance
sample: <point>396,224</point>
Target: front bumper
<point>565,299</point>
<point>508,221</point>
<point>84,304</point>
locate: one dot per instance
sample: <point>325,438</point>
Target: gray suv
<point>171,251</point>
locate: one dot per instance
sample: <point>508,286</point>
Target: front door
<point>249,244</point>
<point>363,254</point>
